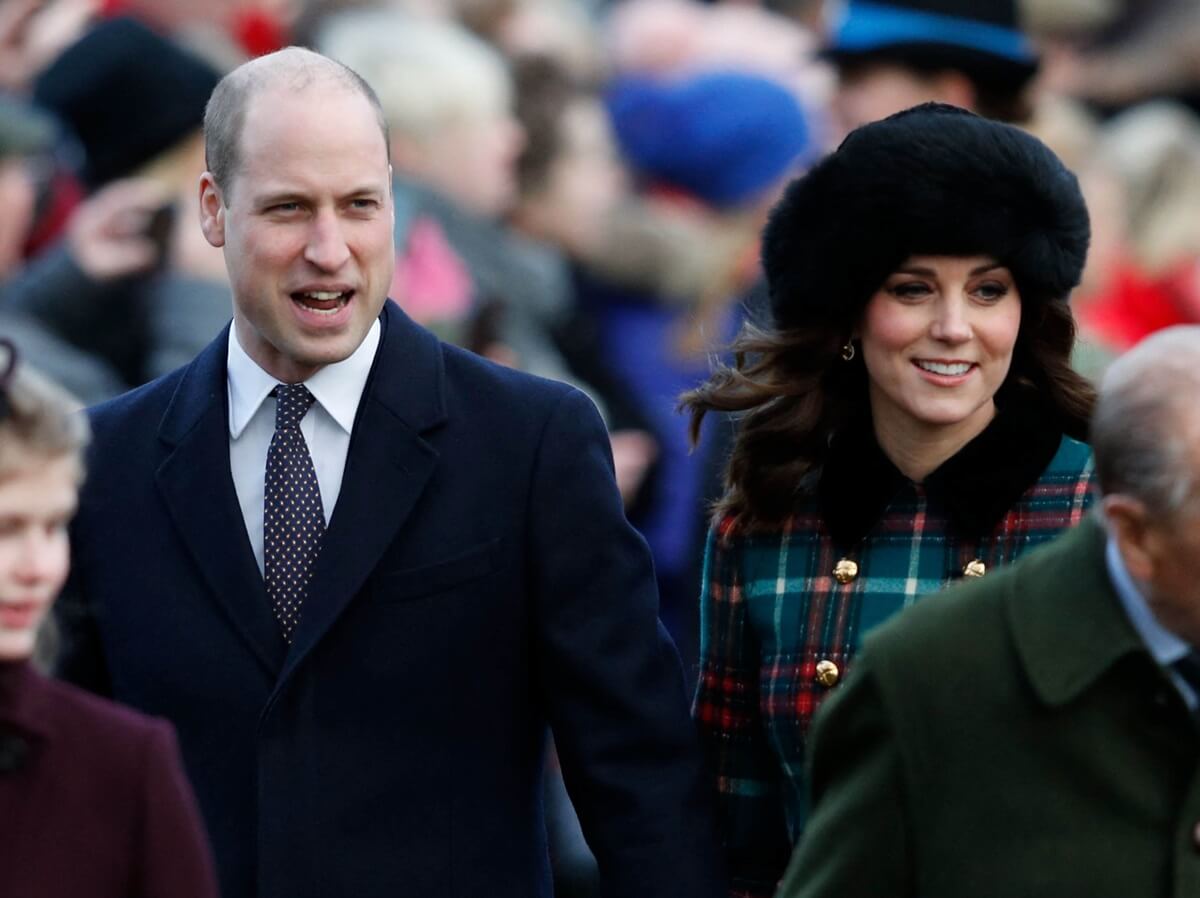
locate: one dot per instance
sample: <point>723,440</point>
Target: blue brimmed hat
<point>981,38</point>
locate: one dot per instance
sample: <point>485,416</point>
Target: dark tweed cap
<point>127,94</point>
<point>932,180</point>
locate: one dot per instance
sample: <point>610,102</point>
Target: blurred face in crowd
<point>582,184</point>
<point>17,199</point>
<point>306,226</point>
<point>471,159</point>
<point>869,91</point>
<point>937,340</point>
<point>37,501</point>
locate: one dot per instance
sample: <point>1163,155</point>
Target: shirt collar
<point>1165,647</point>
<point>977,486</point>
<point>337,387</point>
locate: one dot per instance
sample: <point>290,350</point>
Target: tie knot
<point>292,402</point>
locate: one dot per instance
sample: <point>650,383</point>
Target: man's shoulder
<point>476,386</point>
<point>941,626</point>
<point>124,417</point>
<point>970,622</point>
<point>146,405</point>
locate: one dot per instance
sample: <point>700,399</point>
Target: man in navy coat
<point>361,628</point>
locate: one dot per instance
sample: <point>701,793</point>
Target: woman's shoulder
<point>730,530</point>
<point>1073,459</point>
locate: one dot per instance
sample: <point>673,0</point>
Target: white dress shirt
<point>1164,646</point>
<point>337,389</point>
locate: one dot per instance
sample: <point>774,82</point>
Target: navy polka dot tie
<point>293,518</point>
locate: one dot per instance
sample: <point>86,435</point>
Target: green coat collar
<point>1066,619</point>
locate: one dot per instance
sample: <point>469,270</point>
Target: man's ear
<point>212,210</point>
<point>1130,525</point>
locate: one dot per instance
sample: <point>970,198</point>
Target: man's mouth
<point>946,369</point>
<point>323,302</point>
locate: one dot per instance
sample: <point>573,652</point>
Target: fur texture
<point>933,180</point>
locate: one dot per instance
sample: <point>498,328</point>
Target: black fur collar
<point>977,486</point>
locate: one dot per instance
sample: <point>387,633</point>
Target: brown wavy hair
<point>791,392</point>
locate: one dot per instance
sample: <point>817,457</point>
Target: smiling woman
<point>908,418</point>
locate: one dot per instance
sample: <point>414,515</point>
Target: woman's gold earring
<point>848,351</point>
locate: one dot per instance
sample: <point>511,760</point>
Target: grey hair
<point>292,67</point>
<point>1146,427</point>
<point>430,74</point>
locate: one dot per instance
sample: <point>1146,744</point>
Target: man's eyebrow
<point>365,190</point>
<point>282,196</point>
<point>294,196</point>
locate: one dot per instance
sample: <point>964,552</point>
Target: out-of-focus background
<point>580,186</point>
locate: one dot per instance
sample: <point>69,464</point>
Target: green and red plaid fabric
<point>772,609</point>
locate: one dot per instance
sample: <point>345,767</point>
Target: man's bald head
<point>1146,427</point>
<point>292,69</point>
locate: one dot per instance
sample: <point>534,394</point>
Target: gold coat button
<point>827,672</point>
<point>975,568</point>
<point>845,570</point>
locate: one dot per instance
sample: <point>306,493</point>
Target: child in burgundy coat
<point>93,798</point>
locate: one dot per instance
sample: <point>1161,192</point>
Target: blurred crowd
<point>580,184</point>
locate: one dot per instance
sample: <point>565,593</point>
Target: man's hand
<point>107,234</point>
<point>633,453</point>
<point>34,32</point>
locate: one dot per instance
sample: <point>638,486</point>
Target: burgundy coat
<point>93,799</point>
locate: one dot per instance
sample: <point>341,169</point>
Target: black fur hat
<point>932,180</point>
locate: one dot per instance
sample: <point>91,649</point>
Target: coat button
<point>1196,837</point>
<point>975,568</point>
<point>845,570</point>
<point>827,673</point>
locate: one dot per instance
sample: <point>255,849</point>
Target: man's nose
<point>326,248</point>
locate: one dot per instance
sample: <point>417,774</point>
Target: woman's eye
<point>991,292</point>
<point>910,290</point>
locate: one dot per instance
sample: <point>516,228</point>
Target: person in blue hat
<point>720,144</point>
<point>895,54</point>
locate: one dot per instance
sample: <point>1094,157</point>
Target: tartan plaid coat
<point>779,626</point>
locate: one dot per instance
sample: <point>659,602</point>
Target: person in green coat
<point>1037,732</point>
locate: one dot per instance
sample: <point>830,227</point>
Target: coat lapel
<point>1066,619</point>
<point>197,486</point>
<point>387,468</point>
